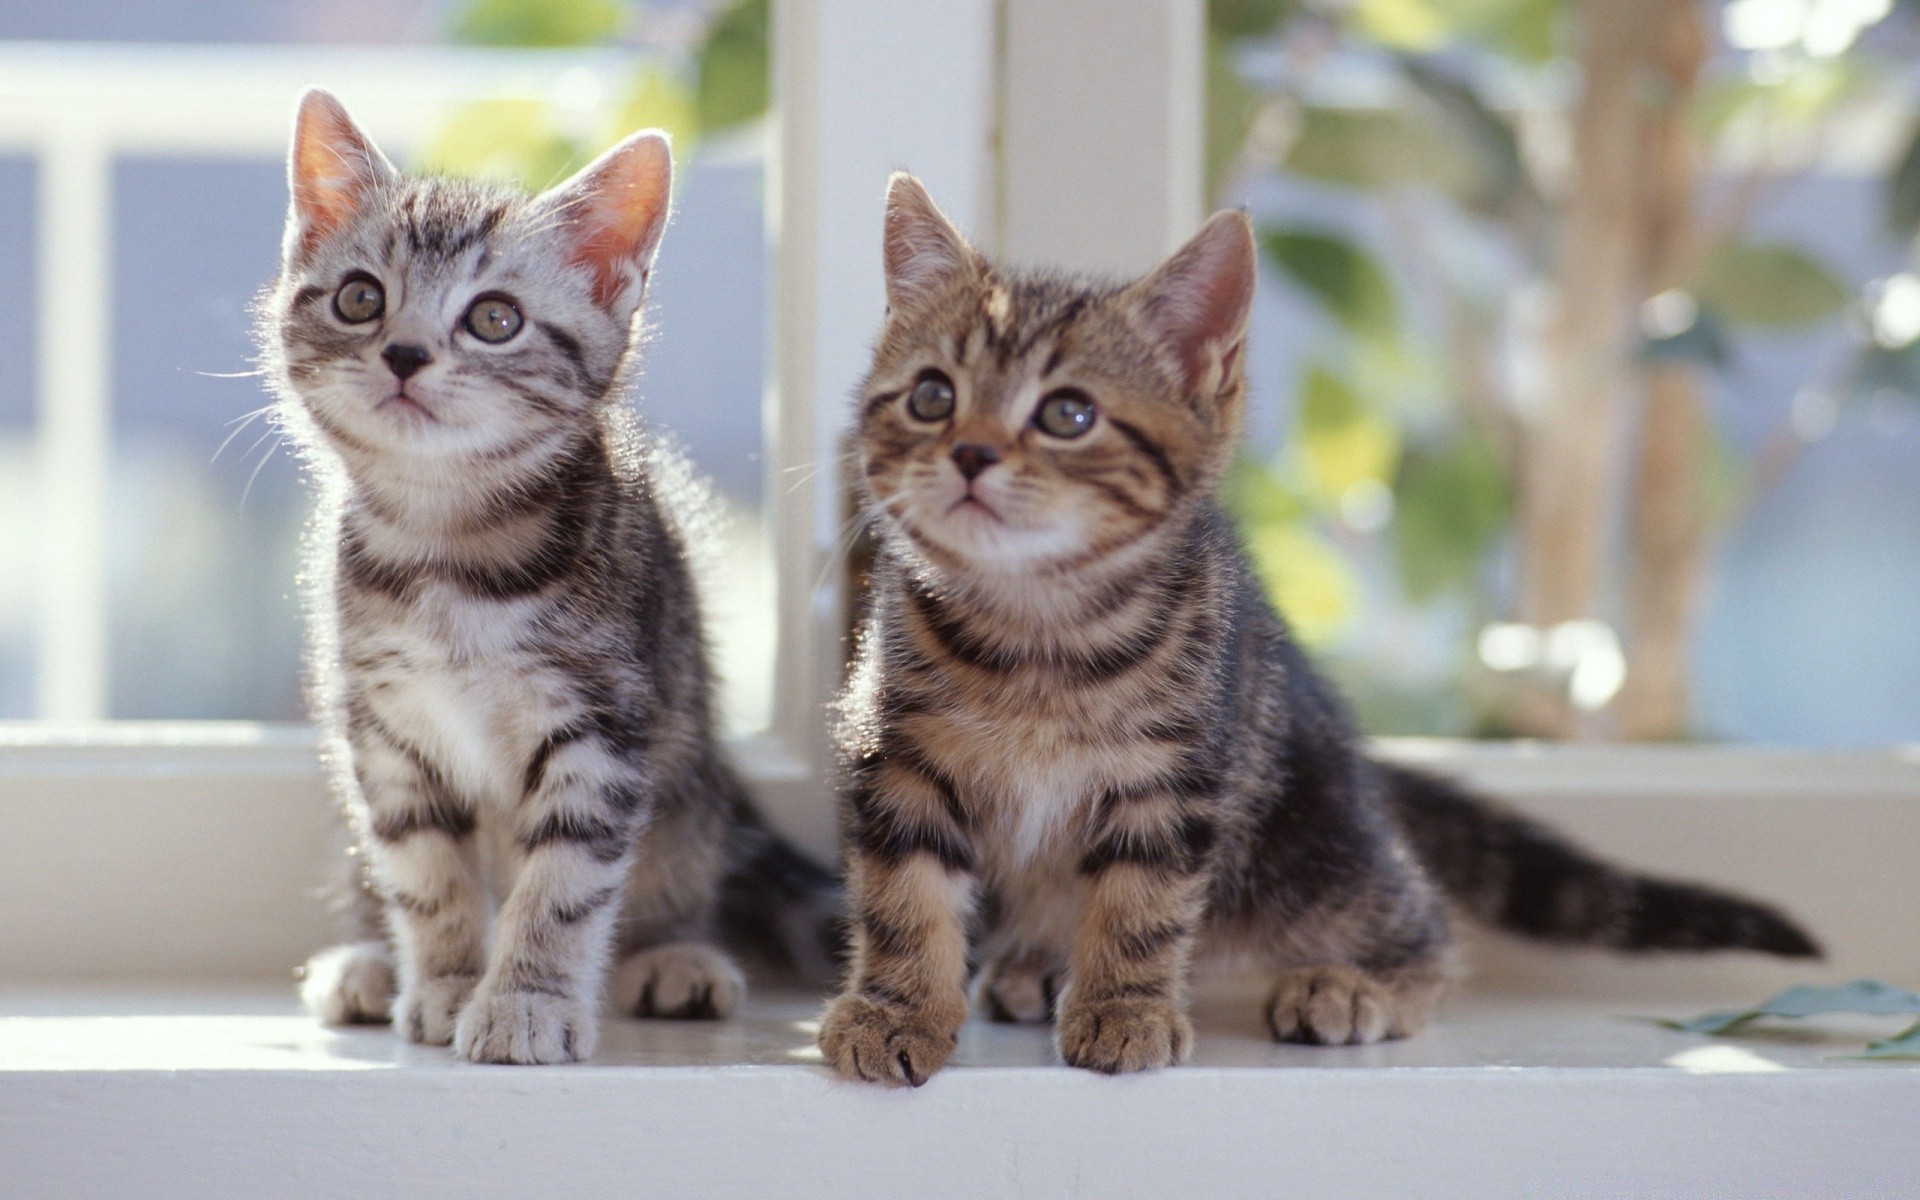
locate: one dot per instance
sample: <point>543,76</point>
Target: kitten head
<point>1016,422</point>
<point>434,322</point>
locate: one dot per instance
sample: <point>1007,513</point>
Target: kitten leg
<point>910,888</point>
<point>425,864</point>
<point>1339,1005</point>
<point>577,827</point>
<point>685,981</point>
<point>1124,1008</point>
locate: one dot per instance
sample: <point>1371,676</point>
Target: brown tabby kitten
<point>506,638</point>
<point>1075,712</point>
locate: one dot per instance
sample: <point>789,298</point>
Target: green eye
<point>360,299</point>
<point>1065,414</point>
<point>931,398</point>
<point>493,319</point>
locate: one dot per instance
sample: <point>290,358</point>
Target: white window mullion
<point>861,88</point>
<point>75,358</point>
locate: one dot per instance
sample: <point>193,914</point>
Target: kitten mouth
<point>974,504</point>
<point>407,404</point>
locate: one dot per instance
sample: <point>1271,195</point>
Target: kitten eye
<point>493,319</point>
<point>1065,414</point>
<point>931,398</point>
<point>360,299</point>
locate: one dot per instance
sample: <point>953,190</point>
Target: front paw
<point>883,1043</point>
<point>1125,1034</point>
<point>679,981</point>
<point>426,1011</point>
<point>511,1026</point>
<point>1019,987</point>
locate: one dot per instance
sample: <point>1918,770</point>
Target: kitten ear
<point>330,169</point>
<point>923,250</point>
<point>1197,302</point>
<point>611,216</point>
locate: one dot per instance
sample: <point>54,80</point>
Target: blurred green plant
<point>1450,122</point>
<point>720,85</point>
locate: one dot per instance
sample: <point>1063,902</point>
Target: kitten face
<point>1010,424</point>
<point>431,321</point>
<point>1023,423</point>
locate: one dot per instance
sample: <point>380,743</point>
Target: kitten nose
<point>973,458</point>
<point>403,360</point>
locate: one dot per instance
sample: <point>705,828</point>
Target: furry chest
<point>461,685</point>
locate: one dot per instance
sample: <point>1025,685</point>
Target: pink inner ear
<point>333,165</point>
<point>1201,297</point>
<point>618,209</point>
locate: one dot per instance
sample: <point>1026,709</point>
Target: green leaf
<point>537,22</point>
<point>733,87</point>
<point>1769,284</point>
<point>1343,277</point>
<point>1903,189</point>
<point>1450,504</point>
<point>1868,997</point>
<point>1246,18</point>
<point>1905,1045</point>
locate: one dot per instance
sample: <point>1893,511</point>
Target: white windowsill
<point>225,1092</point>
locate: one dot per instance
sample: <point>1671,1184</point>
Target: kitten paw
<point>880,1043</point>
<point>1019,987</point>
<point>678,981</point>
<point>525,1027</point>
<point>1338,1005</point>
<point>1125,1034</point>
<point>426,1012</point>
<point>349,985</point>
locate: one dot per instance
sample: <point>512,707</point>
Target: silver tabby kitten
<point>507,644</point>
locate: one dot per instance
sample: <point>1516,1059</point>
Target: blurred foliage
<point>536,143</point>
<point>1344,278</point>
<point>1408,388</point>
<point>733,69</point>
<point>1769,284</point>
<point>1453,502</point>
<point>546,23</point>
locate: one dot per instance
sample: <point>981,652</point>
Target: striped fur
<point>506,640</point>
<point>1076,726</point>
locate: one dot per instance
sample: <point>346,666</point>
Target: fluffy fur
<point>506,640</point>
<point>1076,723</point>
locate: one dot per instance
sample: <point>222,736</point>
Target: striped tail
<point>1510,873</point>
<point>778,907</point>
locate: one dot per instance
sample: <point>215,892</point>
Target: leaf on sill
<point>1868,997</point>
<point>1906,1045</point>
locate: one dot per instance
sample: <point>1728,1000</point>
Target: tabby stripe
<point>390,825</point>
<point>1139,945</point>
<point>569,345</point>
<point>537,765</point>
<point>605,840</point>
<point>877,402</point>
<point>573,914</point>
<point>881,832</point>
<point>1148,447</point>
